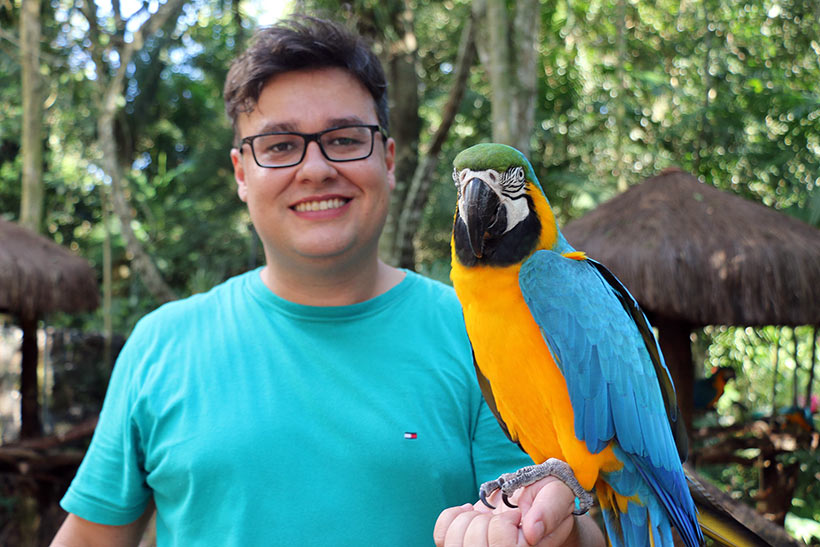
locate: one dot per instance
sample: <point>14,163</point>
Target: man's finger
<point>550,514</point>
<point>476,534</point>
<point>457,529</point>
<point>503,529</point>
<point>445,519</point>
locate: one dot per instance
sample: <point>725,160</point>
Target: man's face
<point>318,211</point>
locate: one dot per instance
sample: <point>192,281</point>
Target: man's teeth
<point>319,205</point>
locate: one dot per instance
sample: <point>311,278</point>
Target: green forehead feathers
<point>498,157</point>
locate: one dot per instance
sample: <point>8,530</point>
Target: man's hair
<point>302,43</point>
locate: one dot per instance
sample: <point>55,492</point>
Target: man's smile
<point>320,204</point>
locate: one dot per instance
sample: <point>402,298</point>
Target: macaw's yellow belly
<point>529,390</point>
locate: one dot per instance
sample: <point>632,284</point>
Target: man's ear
<point>390,162</point>
<point>239,174</point>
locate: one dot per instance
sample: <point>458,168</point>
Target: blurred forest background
<point>114,143</point>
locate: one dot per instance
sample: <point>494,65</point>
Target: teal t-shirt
<point>252,420</point>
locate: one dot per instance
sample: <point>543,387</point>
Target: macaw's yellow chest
<point>529,389</point>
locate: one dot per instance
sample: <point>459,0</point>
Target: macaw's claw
<point>510,482</point>
<point>487,489</point>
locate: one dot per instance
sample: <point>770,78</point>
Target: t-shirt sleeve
<point>109,487</point>
<point>493,453</point>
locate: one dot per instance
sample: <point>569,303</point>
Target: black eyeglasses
<point>286,149</point>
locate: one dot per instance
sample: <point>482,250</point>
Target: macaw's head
<point>502,215</point>
<point>726,373</point>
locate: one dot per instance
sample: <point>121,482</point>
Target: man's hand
<point>543,518</point>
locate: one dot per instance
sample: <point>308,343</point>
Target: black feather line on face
<point>500,249</point>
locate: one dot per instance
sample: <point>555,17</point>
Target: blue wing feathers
<point>611,368</point>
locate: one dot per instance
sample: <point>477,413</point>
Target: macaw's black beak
<point>481,208</point>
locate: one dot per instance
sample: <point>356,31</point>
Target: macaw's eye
<point>513,181</point>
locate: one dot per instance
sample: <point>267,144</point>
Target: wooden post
<point>676,345</point>
<point>29,404</point>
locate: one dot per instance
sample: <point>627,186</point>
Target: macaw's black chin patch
<point>498,249</point>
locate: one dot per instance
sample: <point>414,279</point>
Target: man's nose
<point>315,165</point>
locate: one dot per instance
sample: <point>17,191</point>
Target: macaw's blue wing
<point>618,384</point>
<point>653,349</point>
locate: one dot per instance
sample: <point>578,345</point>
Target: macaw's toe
<point>508,483</point>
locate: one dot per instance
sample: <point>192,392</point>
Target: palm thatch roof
<point>38,276</point>
<point>692,253</point>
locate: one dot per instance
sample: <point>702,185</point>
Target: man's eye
<point>345,141</point>
<point>279,146</point>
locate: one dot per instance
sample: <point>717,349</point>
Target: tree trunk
<point>510,58</point>
<point>400,60</point>
<point>813,359</point>
<point>109,98</point>
<point>795,376</point>
<point>31,203</point>
<point>620,121</point>
<point>701,140</point>
<point>108,289</point>
<point>776,366</point>
<point>141,259</point>
<point>778,481</point>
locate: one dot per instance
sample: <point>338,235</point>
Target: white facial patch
<point>509,186</point>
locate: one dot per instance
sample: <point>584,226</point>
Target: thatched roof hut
<point>37,276</point>
<point>693,255</point>
<point>689,251</point>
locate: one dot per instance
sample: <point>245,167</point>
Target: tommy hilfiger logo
<point>410,435</point>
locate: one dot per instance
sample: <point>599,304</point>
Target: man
<point>326,398</point>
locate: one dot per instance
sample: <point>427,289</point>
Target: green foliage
<point>762,390</point>
<point>806,503</point>
<point>725,90</point>
<point>172,138</point>
<point>751,352</point>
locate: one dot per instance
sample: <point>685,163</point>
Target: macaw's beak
<point>482,211</point>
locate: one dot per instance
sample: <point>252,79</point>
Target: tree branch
<point>421,182</point>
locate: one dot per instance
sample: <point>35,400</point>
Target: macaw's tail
<point>641,504</point>
<point>718,522</point>
<point>629,523</point>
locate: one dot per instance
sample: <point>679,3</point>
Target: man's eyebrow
<point>347,120</point>
<point>275,127</point>
<point>290,127</point>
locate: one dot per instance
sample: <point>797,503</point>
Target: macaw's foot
<point>510,482</point>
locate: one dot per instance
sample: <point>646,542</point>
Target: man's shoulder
<point>196,305</point>
<point>430,286</point>
<point>438,298</point>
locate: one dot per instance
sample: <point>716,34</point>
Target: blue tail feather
<point>663,503</point>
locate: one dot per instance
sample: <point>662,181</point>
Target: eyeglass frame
<point>308,138</point>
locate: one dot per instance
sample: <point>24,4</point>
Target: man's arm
<point>78,532</point>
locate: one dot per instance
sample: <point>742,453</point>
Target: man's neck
<point>331,287</point>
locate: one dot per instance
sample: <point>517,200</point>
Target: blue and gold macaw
<point>797,416</point>
<point>565,357</point>
<point>708,391</point>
